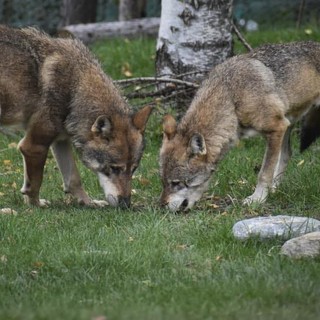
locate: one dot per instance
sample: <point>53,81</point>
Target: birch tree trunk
<point>194,35</point>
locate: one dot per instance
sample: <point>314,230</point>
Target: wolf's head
<point>114,150</point>
<point>184,168</point>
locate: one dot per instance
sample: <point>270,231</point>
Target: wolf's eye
<point>177,185</point>
<point>115,170</point>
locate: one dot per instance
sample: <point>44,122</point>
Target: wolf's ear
<point>102,126</point>
<point>141,117</point>
<point>198,145</point>
<point>169,126</point>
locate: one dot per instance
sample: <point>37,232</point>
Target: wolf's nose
<point>124,202</point>
<point>184,204</point>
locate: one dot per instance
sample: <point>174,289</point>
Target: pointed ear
<point>198,145</point>
<point>169,126</point>
<point>141,117</point>
<point>102,126</point>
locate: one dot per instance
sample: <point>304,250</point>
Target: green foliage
<point>70,262</point>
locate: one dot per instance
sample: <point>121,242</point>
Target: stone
<point>282,226</point>
<point>8,211</point>
<point>306,246</point>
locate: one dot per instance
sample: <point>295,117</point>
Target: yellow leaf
<point>38,264</point>
<point>12,145</point>
<point>126,69</point>
<point>144,181</point>
<point>7,162</point>
<point>127,73</point>
<point>300,163</point>
<point>308,31</point>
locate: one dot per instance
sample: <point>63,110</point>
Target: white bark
<point>193,35</point>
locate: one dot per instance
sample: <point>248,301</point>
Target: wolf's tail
<point>310,128</point>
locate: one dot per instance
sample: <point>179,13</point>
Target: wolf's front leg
<point>34,156</point>
<point>270,160</point>
<point>71,178</point>
<point>284,157</point>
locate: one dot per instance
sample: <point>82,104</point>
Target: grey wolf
<point>265,91</point>
<point>55,90</point>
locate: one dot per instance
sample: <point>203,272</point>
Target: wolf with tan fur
<point>56,91</point>
<point>265,91</point>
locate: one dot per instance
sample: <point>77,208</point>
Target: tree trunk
<point>78,11</point>
<point>194,35</point>
<point>132,9</point>
<point>7,11</point>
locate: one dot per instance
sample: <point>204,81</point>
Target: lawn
<point>70,262</point>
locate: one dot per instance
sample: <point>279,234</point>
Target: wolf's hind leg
<point>34,156</point>
<point>265,178</point>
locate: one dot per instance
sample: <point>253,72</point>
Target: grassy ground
<point>69,262</point>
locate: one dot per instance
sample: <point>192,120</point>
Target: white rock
<point>306,246</point>
<point>284,227</point>
<point>8,211</point>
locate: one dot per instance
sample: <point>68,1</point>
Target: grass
<point>70,262</point>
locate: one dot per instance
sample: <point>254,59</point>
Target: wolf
<point>265,91</point>
<point>55,90</point>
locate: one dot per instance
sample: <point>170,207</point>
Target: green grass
<point>70,262</point>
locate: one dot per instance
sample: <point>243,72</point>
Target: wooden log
<point>132,28</point>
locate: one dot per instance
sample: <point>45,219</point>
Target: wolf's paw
<point>253,200</point>
<point>42,203</point>
<point>99,203</point>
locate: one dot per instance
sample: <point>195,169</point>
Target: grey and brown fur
<point>56,91</point>
<point>265,91</point>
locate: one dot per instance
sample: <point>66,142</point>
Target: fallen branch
<point>157,80</point>
<point>91,32</point>
<point>240,36</point>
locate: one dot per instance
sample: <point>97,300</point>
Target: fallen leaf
<point>144,181</point>
<point>218,258</point>
<point>182,246</point>
<point>12,145</point>
<point>126,69</point>
<point>38,264</point>
<point>300,163</point>
<point>99,318</point>
<point>1,194</point>
<point>7,162</point>
<point>130,239</point>
<point>3,259</point>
